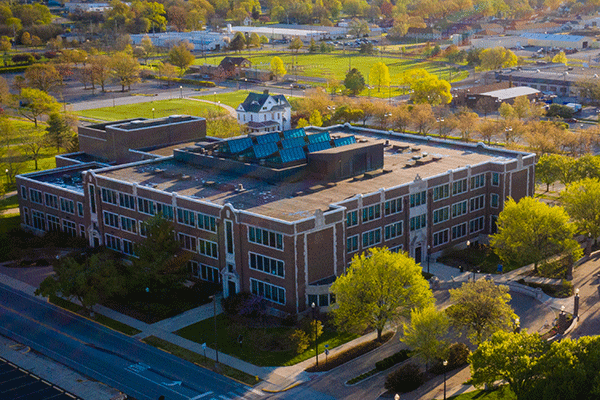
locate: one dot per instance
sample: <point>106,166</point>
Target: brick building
<point>282,214</point>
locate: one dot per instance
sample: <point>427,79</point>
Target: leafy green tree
<point>313,48</point>
<point>181,56</point>
<point>378,287</point>
<point>238,42</point>
<point>160,262</point>
<point>125,69</point>
<point>531,231</point>
<point>147,48</point>
<point>34,103</point>
<point>264,40</point>
<point>560,58</point>
<point>88,281</point>
<point>100,70</point>
<point>427,334</point>
<point>42,77</point>
<point>296,44</point>
<point>582,202</point>
<point>167,70</point>
<point>315,118</point>
<point>358,28</point>
<point>277,67</point>
<point>481,307</point>
<point>26,39</point>
<point>58,131</point>
<point>427,88</point>
<point>497,57</point>
<point>379,75</point>
<point>254,40</point>
<point>354,82</point>
<point>511,357</point>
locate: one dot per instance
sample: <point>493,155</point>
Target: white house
<point>263,112</point>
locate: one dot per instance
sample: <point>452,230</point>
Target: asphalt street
<point>137,369</point>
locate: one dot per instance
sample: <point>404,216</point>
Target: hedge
<point>8,70</point>
<point>392,360</point>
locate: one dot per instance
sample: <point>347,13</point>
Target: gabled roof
<point>255,101</point>
<point>231,62</point>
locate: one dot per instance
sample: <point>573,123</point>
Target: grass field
<point>162,108</point>
<point>232,99</point>
<point>505,394</point>
<point>9,202</point>
<point>255,339</point>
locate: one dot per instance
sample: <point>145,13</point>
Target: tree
<point>26,39</point>
<point>125,69</point>
<point>100,70</point>
<point>487,130</point>
<point>313,48</point>
<point>58,131</point>
<point>427,88</point>
<point>181,56</point>
<point>160,262</point>
<point>497,57</point>
<point>467,123</point>
<point>531,231</point>
<point>379,286</point>
<point>582,202</point>
<point>547,169</point>
<point>401,117</point>
<point>33,143</point>
<point>358,28</point>
<point>238,42</point>
<point>35,103</point>
<point>426,334</point>
<point>88,281</point>
<point>254,40</point>
<point>379,75</point>
<point>481,307</point>
<point>560,58</point>
<point>511,357</point>
<point>422,117</point>
<point>166,70</point>
<point>43,77</point>
<point>354,82</point>
<point>147,48</point>
<point>296,44</point>
<point>277,67</point>
<point>315,118</point>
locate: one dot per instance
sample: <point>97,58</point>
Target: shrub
<point>25,58</point>
<point>457,355</point>
<point>299,341</point>
<point>308,325</point>
<point>392,360</point>
<point>244,304</point>
<point>405,379</point>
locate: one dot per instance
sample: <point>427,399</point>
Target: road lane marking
<point>224,397</point>
<point>257,392</point>
<point>201,396</point>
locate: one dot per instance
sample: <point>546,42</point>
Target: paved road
<point>135,368</point>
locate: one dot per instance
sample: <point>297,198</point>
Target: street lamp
<point>291,88</point>
<point>386,117</point>
<point>6,172</point>
<point>576,304</point>
<point>440,120</point>
<point>246,83</point>
<point>428,256</point>
<point>445,363</point>
<point>181,92</point>
<point>214,299</point>
<point>152,113</point>
<point>397,397</point>
<point>215,96</point>
<point>517,325</point>
<point>313,306</point>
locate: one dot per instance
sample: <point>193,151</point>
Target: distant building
<point>288,32</point>
<point>200,40</point>
<point>231,64</point>
<point>423,34</point>
<point>534,39</point>
<point>265,112</point>
<point>495,98</point>
<point>87,7</point>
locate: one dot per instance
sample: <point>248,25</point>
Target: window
<point>397,249</point>
<point>477,203</point>
<point>35,196</point>
<point>113,242</point>
<point>143,229</point>
<point>204,272</point>
<point>418,222</point>
<point>371,213</point>
<point>208,248</point>
<point>127,201</point>
<point>265,237</point>
<point>26,212</point>
<point>67,205</point>
<point>477,224</point>
<point>51,200</point>
<point>440,237</point>
<point>186,217</point>
<point>495,179</point>
<point>270,292</point>
<point>111,219</point>
<point>109,196</point>
<point>459,187</point>
<point>417,199</point>
<point>70,228</point>
<point>392,206</point>
<point>441,214</point>
<point>266,264</point>
<point>146,206</point>
<point>39,222</point>
<point>494,200</point>
<point>92,198</point>
<point>187,242</point>
<point>229,236</point>
<point>351,218</point>
<point>441,192</point>
<point>128,224</point>
<point>392,231</point>
<point>477,181</point>
<point>128,247</point>
<point>207,222</point>
<point>80,209</point>
<point>459,209</point>
<point>371,238</point>
<point>82,231</point>
<point>459,231</point>
<point>23,193</point>
<point>166,211</point>
<point>53,223</point>
<point>352,244</point>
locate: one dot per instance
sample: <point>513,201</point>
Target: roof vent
<point>239,188</point>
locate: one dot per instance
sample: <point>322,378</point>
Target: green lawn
<point>505,394</point>
<point>9,202</point>
<point>232,99</point>
<point>255,341</point>
<point>9,222</point>
<point>162,108</point>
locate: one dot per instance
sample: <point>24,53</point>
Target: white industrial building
<point>534,39</point>
<point>200,40</point>
<point>304,32</point>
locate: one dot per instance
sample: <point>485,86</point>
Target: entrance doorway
<point>231,287</point>
<point>418,252</point>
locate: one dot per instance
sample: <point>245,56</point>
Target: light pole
<point>397,397</point>
<point>152,113</point>
<point>313,306</point>
<point>215,96</point>
<point>386,117</point>
<point>440,120</point>
<point>291,89</point>
<point>181,92</point>
<point>445,363</point>
<point>6,172</point>
<point>576,304</point>
<point>246,83</point>
<point>517,325</point>
<point>428,256</point>
<point>214,299</point>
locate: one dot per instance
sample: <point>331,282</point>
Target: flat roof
<point>511,93</point>
<point>295,200</point>
<point>550,36</point>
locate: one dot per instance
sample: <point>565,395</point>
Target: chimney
<point>266,91</point>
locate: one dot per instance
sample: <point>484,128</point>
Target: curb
<point>284,389</point>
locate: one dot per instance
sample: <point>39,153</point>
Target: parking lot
<point>17,383</point>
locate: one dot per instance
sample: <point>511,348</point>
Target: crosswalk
<point>238,394</point>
